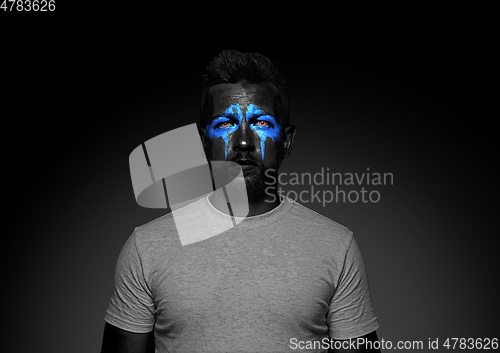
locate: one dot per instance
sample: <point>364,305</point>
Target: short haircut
<point>232,66</point>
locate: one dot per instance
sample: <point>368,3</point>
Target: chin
<point>255,187</point>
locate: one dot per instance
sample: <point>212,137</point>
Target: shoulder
<point>162,232</point>
<point>319,225</point>
<point>158,230</point>
<point>156,227</point>
<point>305,214</point>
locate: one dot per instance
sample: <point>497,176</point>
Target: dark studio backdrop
<point>415,110</point>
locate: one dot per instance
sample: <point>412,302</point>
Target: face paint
<point>217,129</point>
<point>264,125</point>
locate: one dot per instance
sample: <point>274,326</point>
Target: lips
<point>246,162</point>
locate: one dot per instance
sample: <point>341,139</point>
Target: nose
<point>243,138</point>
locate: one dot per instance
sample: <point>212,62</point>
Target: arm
<point>130,316</point>
<point>351,310</point>
<point>371,337</point>
<point>116,340</point>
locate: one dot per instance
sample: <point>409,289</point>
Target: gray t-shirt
<point>286,276</point>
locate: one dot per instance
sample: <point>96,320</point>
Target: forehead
<point>226,94</point>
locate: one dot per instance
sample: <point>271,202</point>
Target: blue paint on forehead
<point>272,129</point>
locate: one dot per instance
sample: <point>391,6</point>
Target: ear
<point>289,133</point>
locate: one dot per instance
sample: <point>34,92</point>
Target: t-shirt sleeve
<point>132,306</point>
<point>351,312</point>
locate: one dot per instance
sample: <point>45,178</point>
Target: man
<point>284,279</point>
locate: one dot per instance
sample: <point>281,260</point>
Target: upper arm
<point>351,311</point>
<point>132,305</point>
<point>359,344</point>
<point>116,340</point>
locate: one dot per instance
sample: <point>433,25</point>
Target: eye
<point>262,123</point>
<point>225,124</point>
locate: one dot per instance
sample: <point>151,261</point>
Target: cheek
<point>272,151</point>
<point>217,148</point>
<point>218,139</point>
<point>269,142</point>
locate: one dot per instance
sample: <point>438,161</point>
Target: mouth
<point>247,165</point>
<point>246,162</point>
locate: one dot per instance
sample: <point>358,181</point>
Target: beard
<point>261,182</point>
<point>255,184</point>
<point>257,180</point>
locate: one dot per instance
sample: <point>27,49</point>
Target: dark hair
<point>232,66</point>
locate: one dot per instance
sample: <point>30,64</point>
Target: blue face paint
<point>264,125</point>
<point>217,129</point>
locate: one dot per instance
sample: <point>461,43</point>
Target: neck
<point>256,205</point>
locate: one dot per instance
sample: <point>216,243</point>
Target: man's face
<point>243,128</point>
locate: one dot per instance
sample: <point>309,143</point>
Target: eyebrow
<point>231,115</point>
<point>215,117</point>
<point>258,115</point>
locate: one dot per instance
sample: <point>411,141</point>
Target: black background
<point>81,94</point>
